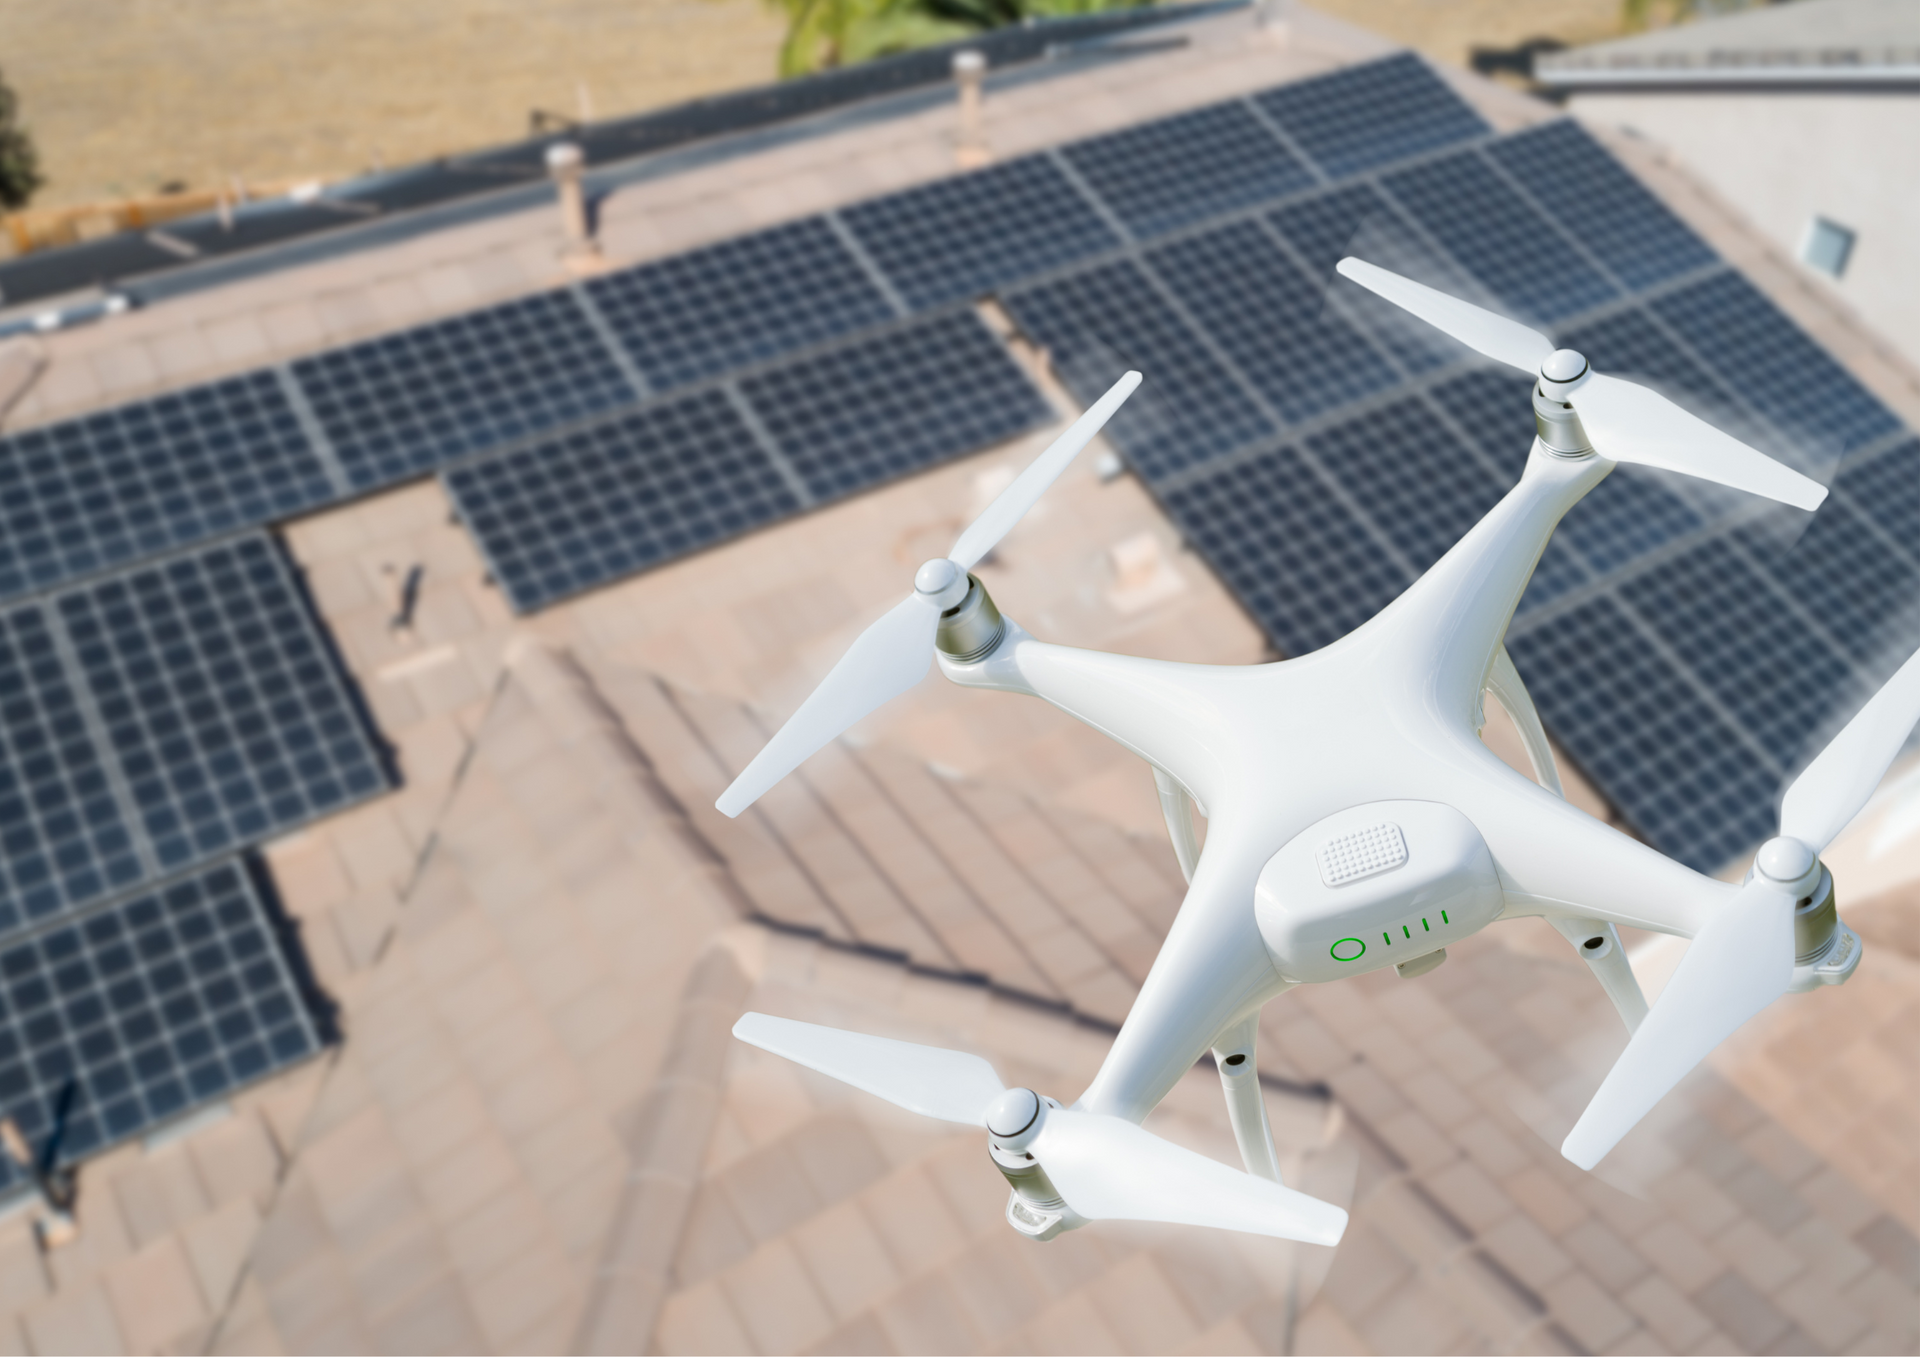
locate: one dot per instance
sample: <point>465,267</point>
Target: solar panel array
<point>1320,455</point>
<point>149,1006</point>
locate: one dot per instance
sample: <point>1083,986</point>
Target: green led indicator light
<point>1335,949</point>
<point>1404,929</point>
<point>1424,928</point>
<point>1387,938</point>
<point>1443,917</point>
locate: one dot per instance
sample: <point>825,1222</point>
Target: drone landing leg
<point>1233,1052</point>
<point>1599,946</point>
<point>1177,806</point>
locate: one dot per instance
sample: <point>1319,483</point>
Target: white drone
<point>1355,821</point>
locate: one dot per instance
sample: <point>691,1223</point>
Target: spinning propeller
<point>1745,956</point>
<point>892,655</point>
<point>1104,1168</point>
<point>1627,423</point>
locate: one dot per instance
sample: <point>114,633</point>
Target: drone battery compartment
<point>1374,885</point>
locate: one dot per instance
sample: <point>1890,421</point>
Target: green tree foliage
<point>19,165</point>
<point>826,33</point>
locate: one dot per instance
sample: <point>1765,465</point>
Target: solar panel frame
<point>1098,323</point>
<point>1592,197</point>
<point>883,406</point>
<point>1242,289</point>
<point>1373,114</point>
<point>1756,349</point>
<point>65,837</point>
<point>1719,616</point>
<point>219,699</point>
<point>403,404</point>
<point>1262,531</point>
<point>88,494</point>
<point>152,1005</point>
<point>1174,171</point>
<point>973,233</point>
<point>1637,726</point>
<point>578,509</point>
<point>1497,236</point>
<point>738,302</point>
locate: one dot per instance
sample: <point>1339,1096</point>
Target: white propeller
<point>1105,1168</point>
<point>1627,423</point>
<point>893,654</point>
<point>1744,958</point>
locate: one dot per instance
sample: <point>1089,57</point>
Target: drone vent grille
<point>1365,852</point>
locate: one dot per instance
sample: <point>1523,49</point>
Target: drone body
<point>1355,821</point>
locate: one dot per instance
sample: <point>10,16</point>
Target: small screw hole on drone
<point>1329,824</point>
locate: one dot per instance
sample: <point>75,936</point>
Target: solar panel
<point>406,403</point>
<point>896,402</point>
<point>108,488</point>
<point>1677,769</point>
<point>1494,407</point>
<point>1854,582</point>
<point>1362,116</point>
<point>1418,484</point>
<point>742,301</point>
<point>1293,555</point>
<point>1527,264</point>
<point>1173,171</point>
<point>1097,324</point>
<point>149,1006</point>
<point>1719,616</point>
<point>1791,380</point>
<point>1596,201</point>
<point>223,710</point>
<point>588,506</point>
<point>1325,228</point>
<point>1886,489</point>
<point>1272,320</point>
<point>972,233</point>
<point>63,836</point>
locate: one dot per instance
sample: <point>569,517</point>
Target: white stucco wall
<point>1782,157</point>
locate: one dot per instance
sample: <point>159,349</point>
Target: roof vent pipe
<point>566,162</point>
<point>970,75</point>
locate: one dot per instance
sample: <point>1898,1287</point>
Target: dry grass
<point>124,96</point>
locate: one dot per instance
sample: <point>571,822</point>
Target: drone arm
<point>1169,714</point>
<point>1234,1055</point>
<point>1177,807</point>
<point>1212,971</point>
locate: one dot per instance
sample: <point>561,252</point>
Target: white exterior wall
<point>1782,157</point>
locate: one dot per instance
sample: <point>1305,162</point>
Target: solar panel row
<point>157,718</point>
<point>581,508</point>
<point>147,1007</point>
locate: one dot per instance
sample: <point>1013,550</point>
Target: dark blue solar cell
<point>1374,114</point>
<point>405,403</point>
<point>1326,227</point>
<point>1307,569</point>
<point>1820,409</point>
<point>1886,489</point>
<point>99,491</point>
<point>1675,768</point>
<point>1526,263</point>
<point>895,403</point>
<point>1098,324</point>
<point>587,507</point>
<point>210,677</point>
<point>973,233</point>
<point>741,301</point>
<point>1419,484</point>
<point>1600,204</point>
<point>1719,615</point>
<point>1271,319</point>
<point>1174,171</point>
<point>123,1046</point>
<point>1493,407</point>
<point>1858,587</point>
